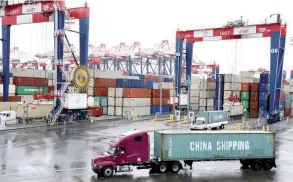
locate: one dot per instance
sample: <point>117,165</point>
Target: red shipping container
<point>253,96</point>
<point>24,81</point>
<point>95,111</point>
<point>104,83</point>
<point>11,99</point>
<point>154,78</point>
<point>101,92</point>
<point>136,93</point>
<point>287,112</point>
<point>156,101</point>
<point>156,93</point>
<point>41,82</point>
<point>244,86</point>
<point>211,80</point>
<point>254,87</point>
<point>282,96</point>
<point>253,114</point>
<point>253,105</point>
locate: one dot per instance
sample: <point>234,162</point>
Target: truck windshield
<point>111,150</point>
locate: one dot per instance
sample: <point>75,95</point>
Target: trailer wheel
<point>256,165</point>
<point>175,167</point>
<point>244,163</point>
<point>163,167</point>
<point>268,165</point>
<point>108,171</point>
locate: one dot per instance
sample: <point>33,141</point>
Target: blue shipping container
<point>264,87</point>
<point>129,83</point>
<point>220,78</point>
<point>155,109</point>
<point>263,96</point>
<point>263,105</point>
<point>188,145</point>
<point>264,78</point>
<point>282,105</point>
<point>142,77</point>
<point>149,84</point>
<point>288,97</point>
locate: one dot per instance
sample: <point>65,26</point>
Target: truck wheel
<point>175,167</point>
<point>222,126</point>
<point>268,165</point>
<point>244,163</point>
<point>108,171</point>
<point>256,165</point>
<point>163,168</point>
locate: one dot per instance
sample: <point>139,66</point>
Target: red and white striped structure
<point>37,12</point>
<point>216,34</point>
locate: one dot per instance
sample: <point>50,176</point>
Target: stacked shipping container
<point>264,87</point>
<point>194,93</point>
<point>207,95</point>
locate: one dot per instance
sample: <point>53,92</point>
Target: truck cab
<point>129,149</point>
<point>209,120</point>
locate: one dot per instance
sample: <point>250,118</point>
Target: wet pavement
<point>64,154</point>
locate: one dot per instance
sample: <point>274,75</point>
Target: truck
<point>235,110</point>
<point>254,149</point>
<point>207,120</point>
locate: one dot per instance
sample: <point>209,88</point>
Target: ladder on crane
<point>59,63</point>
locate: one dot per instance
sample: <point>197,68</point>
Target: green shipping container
<point>213,145</point>
<point>30,90</point>
<point>244,95</point>
<point>245,104</point>
<point>210,117</point>
<point>101,101</point>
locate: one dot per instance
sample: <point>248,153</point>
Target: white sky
<point>151,21</point>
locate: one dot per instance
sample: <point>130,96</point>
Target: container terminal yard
<point>86,110</point>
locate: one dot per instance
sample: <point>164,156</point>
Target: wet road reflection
<point>64,155</point>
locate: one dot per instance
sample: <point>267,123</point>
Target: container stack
<point>219,92</point>
<point>288,103</point>
<point>232,86</point>
<point>245,96</point>
<point>254,100</point>
<point>207,95</point>
<point>156,95</point>
<point>29,82</point>
<point>194,93</point>
<point>264,87</point>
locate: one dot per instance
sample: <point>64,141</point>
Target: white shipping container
<point>118,111</point>
<point>8,94</point>
<point>111,110</point>
<point>119,102</point>
<point>236,86</point>
<point>227,94</point>
<point>194,93</point>
<point>119,92</point>
<point>8,106</point>
<point>111,101</point>
<point>210,102</point>
<point>92,73</point>
<point>50,82</point>
<point>136,102</point>
<point>246,74</point>
<point>287,88</point>
<point>236,93</point>
<point>33,111</point>
<point>227,86</point>
<point>137,111</point>
<point>210,108</point>
<point>108,74</point>
<point>228,78</point>
<point>247,80</point>
<point>130,77</point>
<point>26,98</point>
<point>195,86</point>
<point>194,100</point>
<point>208,94</point>
<point>202,108</point>
<point>194,107</point>
<point>90,101</point>
<point>207,85</point>
<point>195,80</point>
<point>233,109</point>
<point>90,91</point>
<point>236,79</point>
<point>111,92</point>
<point>91,82</point>
<point>19,72</point>
<point>172,93</point>
<point>11,89</point>
<point>168,85</point>
<point>75,101</point>
<point>182,100</point>
<point>202,102</point>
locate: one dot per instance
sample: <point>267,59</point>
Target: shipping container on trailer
<point>31,112</point>
<point>256,149</point>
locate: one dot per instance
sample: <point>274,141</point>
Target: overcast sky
<point>151,21</point>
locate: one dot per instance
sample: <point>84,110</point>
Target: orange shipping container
<point>136,93</point>
<point>41,82</point>
<point>156,101</point>
<point>101,92</point>
<point>156,93</point>
<point>12,98</point>
<point>244,86</point>
<point>104,83</point>
<point>23,81</point>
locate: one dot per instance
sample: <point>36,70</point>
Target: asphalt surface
<point>64,154</point>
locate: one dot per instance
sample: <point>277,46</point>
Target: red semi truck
<point>132,149</point>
